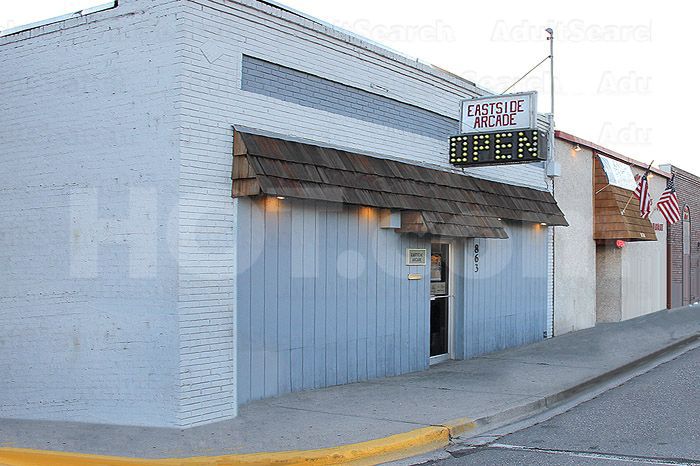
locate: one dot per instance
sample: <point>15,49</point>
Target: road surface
<point>651,419</point>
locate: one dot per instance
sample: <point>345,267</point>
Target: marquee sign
<point>499,113</point>
<point>499,129</point>
<point>498,147</point>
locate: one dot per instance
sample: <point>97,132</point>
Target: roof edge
<point>57,19</point>
<point>608,152</point>
<point>375,47</point>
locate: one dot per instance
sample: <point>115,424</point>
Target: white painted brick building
<point>118,284</point>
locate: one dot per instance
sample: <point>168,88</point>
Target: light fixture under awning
<point>448,204</point>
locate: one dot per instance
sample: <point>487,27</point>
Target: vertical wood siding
<point>505,302</point>
<point>324,298</point>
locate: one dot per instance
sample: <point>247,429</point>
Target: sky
<point>624,70</point>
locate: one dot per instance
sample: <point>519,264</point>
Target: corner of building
<point>91,188</point>
<point>575,249</point>
<point>206,225</point>
<point>620,259</point>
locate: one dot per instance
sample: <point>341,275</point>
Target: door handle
<point>433,298</point>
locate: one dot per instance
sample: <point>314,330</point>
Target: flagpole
<point>601,189</point>
<point>630,199</point>
<point>656,206</point>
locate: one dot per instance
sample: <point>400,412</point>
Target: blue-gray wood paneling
<point>504,304</point>
<point>324,298</point>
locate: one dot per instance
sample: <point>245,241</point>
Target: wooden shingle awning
<point>433,201</point>
<point>442,224</point>
<point>612,220</point>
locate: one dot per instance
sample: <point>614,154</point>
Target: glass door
<point>439,302</point>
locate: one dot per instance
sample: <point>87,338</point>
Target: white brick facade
<point>89,169</point>
<point>119,226</point>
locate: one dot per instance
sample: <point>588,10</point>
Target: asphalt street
<point>651,419</point>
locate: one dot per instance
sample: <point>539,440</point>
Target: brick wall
<point>315,92</point>
<point>688,191</point>
<point>220,32</point>
<point>88,173</point>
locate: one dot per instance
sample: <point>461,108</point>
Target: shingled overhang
<point>617,212</point>
<point>432,201</point>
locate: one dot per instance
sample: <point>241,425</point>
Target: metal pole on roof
<point>550,119</point>
<point>550,31</point>
<point>550,160</point>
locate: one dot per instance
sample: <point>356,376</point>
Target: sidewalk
<point>480,389</point>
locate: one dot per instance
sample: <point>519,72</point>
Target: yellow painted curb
<point>459,426</point>
<point>390,448</point>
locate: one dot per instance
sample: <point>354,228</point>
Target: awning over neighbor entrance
<point>433,201</point>
<point>615,218</point>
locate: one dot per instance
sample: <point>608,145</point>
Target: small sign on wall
<point>416,256</point>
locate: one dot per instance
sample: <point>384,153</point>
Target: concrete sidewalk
<point>490,387</point>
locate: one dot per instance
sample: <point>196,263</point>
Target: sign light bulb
<point>496,148</point>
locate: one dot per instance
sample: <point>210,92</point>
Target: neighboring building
<point>684,241</point>
<point>142,286</point>
<point>610,264</point>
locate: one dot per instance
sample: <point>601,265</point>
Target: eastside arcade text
<point>490,115</point>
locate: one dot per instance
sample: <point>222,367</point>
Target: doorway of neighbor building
<point>439,302</point>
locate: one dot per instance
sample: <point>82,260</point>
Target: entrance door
<point>439,302</point>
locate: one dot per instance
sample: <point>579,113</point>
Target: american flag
<point>668,203</point>
<point>642,193</point>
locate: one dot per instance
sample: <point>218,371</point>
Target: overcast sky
<point>624,70</point>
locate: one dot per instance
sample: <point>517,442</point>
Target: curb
<point>394,447</point>
<point>391,448</point>
<point>516,413</point>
